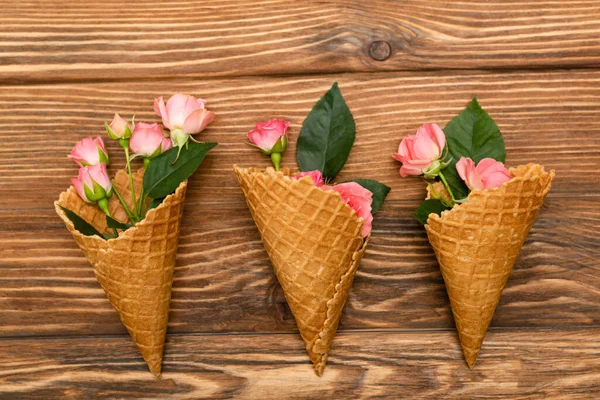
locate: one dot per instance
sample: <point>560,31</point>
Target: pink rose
<point>316,176</point>
<point>93,183</point>
<point>271,136</point>
<point>147,140</point>
<point>488,174</point>
<point>118,128</point>
<point>419,154</point>
<point>359,199</point>
<point>89,151</point>
<point>183,115</point>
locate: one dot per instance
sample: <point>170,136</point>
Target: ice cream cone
<point>136,269</point>
<point>315,245</point>
<point>477,244</point>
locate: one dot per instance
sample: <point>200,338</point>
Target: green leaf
<point>113,223</point>
<point>327,135</point>
<point>155,203</point>
<point>81,224</point>
<point>428,207</point>
<point>162,176</point>
<point>474,134</point>
<point>379,190</point>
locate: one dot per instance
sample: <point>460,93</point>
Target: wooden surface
<point>66,67</point>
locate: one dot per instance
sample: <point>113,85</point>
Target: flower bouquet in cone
<point>477,213</point>
<point>315,232</point>
<point>128,228</point>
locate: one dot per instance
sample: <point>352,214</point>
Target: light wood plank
<point>81,40</point>
<point>537,364</point>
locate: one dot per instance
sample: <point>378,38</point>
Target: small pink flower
<point>89,151</point>
<point>359,199</point>
<point>184,116</point>
<point>118,128</point>
<point>271,136</point>
<point>93,183</point>
<point>418,153</point>
<point>316,176</point>
<point>488,174</point>
<point>147,140</point>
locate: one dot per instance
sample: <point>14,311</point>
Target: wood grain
<point>512,365</point>
<point>223,280</point>
<point>115,40</point>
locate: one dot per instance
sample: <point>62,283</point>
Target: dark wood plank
<point>74,41</point>
<point>223,280</point>
<point>537,364</point>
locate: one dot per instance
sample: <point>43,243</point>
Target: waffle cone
<point>315,245</point>
<point>136,269</point>
<point>477,244</point>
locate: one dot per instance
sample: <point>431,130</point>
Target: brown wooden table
<point>65,67</point>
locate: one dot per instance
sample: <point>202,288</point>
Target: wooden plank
<point>74,41</point>
<point>223,280</point>
<point>536,364</point>
<point>550,118</point>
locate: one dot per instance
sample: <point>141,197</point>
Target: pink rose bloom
<point>488,174</point>
<point>148,141</point>
<point>316,176</point>
<point>271,136</point>
<point>418,153</point>
<point>184,116</point>
<point>359,199</point>
<point>118,128</point>
<point>93,183</point>
<point>89,151</point>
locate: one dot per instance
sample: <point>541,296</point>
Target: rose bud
<point>89,151</point>
<point>148,141</point>
<point>420,153</point>
<point>184,116</point>
<point>271,136</point>
<point>93,183</point>
<point>118,128</point>
<point>488,174</point>
<point>359,199</point>
<point>316,176</point>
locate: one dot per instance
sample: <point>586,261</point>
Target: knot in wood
<point>380,50</point>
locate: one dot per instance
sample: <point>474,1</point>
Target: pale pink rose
<point>488,174</point>
<point>183,112</point>
<point>419,152</point>
<point>147,140</point>
<point>118,128</point>
<point>359,199</point>
<point>84,183</point>
<point>270,136</point>
<point>316,176</point>
<point>89,151</point>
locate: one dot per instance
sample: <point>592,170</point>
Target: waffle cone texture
<point>135,269</point>
<point>315,245</point>
<point>477,244</point>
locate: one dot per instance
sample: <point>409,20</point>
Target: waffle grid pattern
<point>477,244</point>
<point>135,270</point>
<point>315,244</point>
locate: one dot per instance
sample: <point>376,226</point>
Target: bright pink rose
<point>488,174</point>
<point>89,151</point>
<point>148,140</point>
<point>419,154</point>
<point>271,136</point>
<point>93,183</point>
<point>359,199</point>
<point>118,128</point>
<point>315,175</point>
<point>184,116</point>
